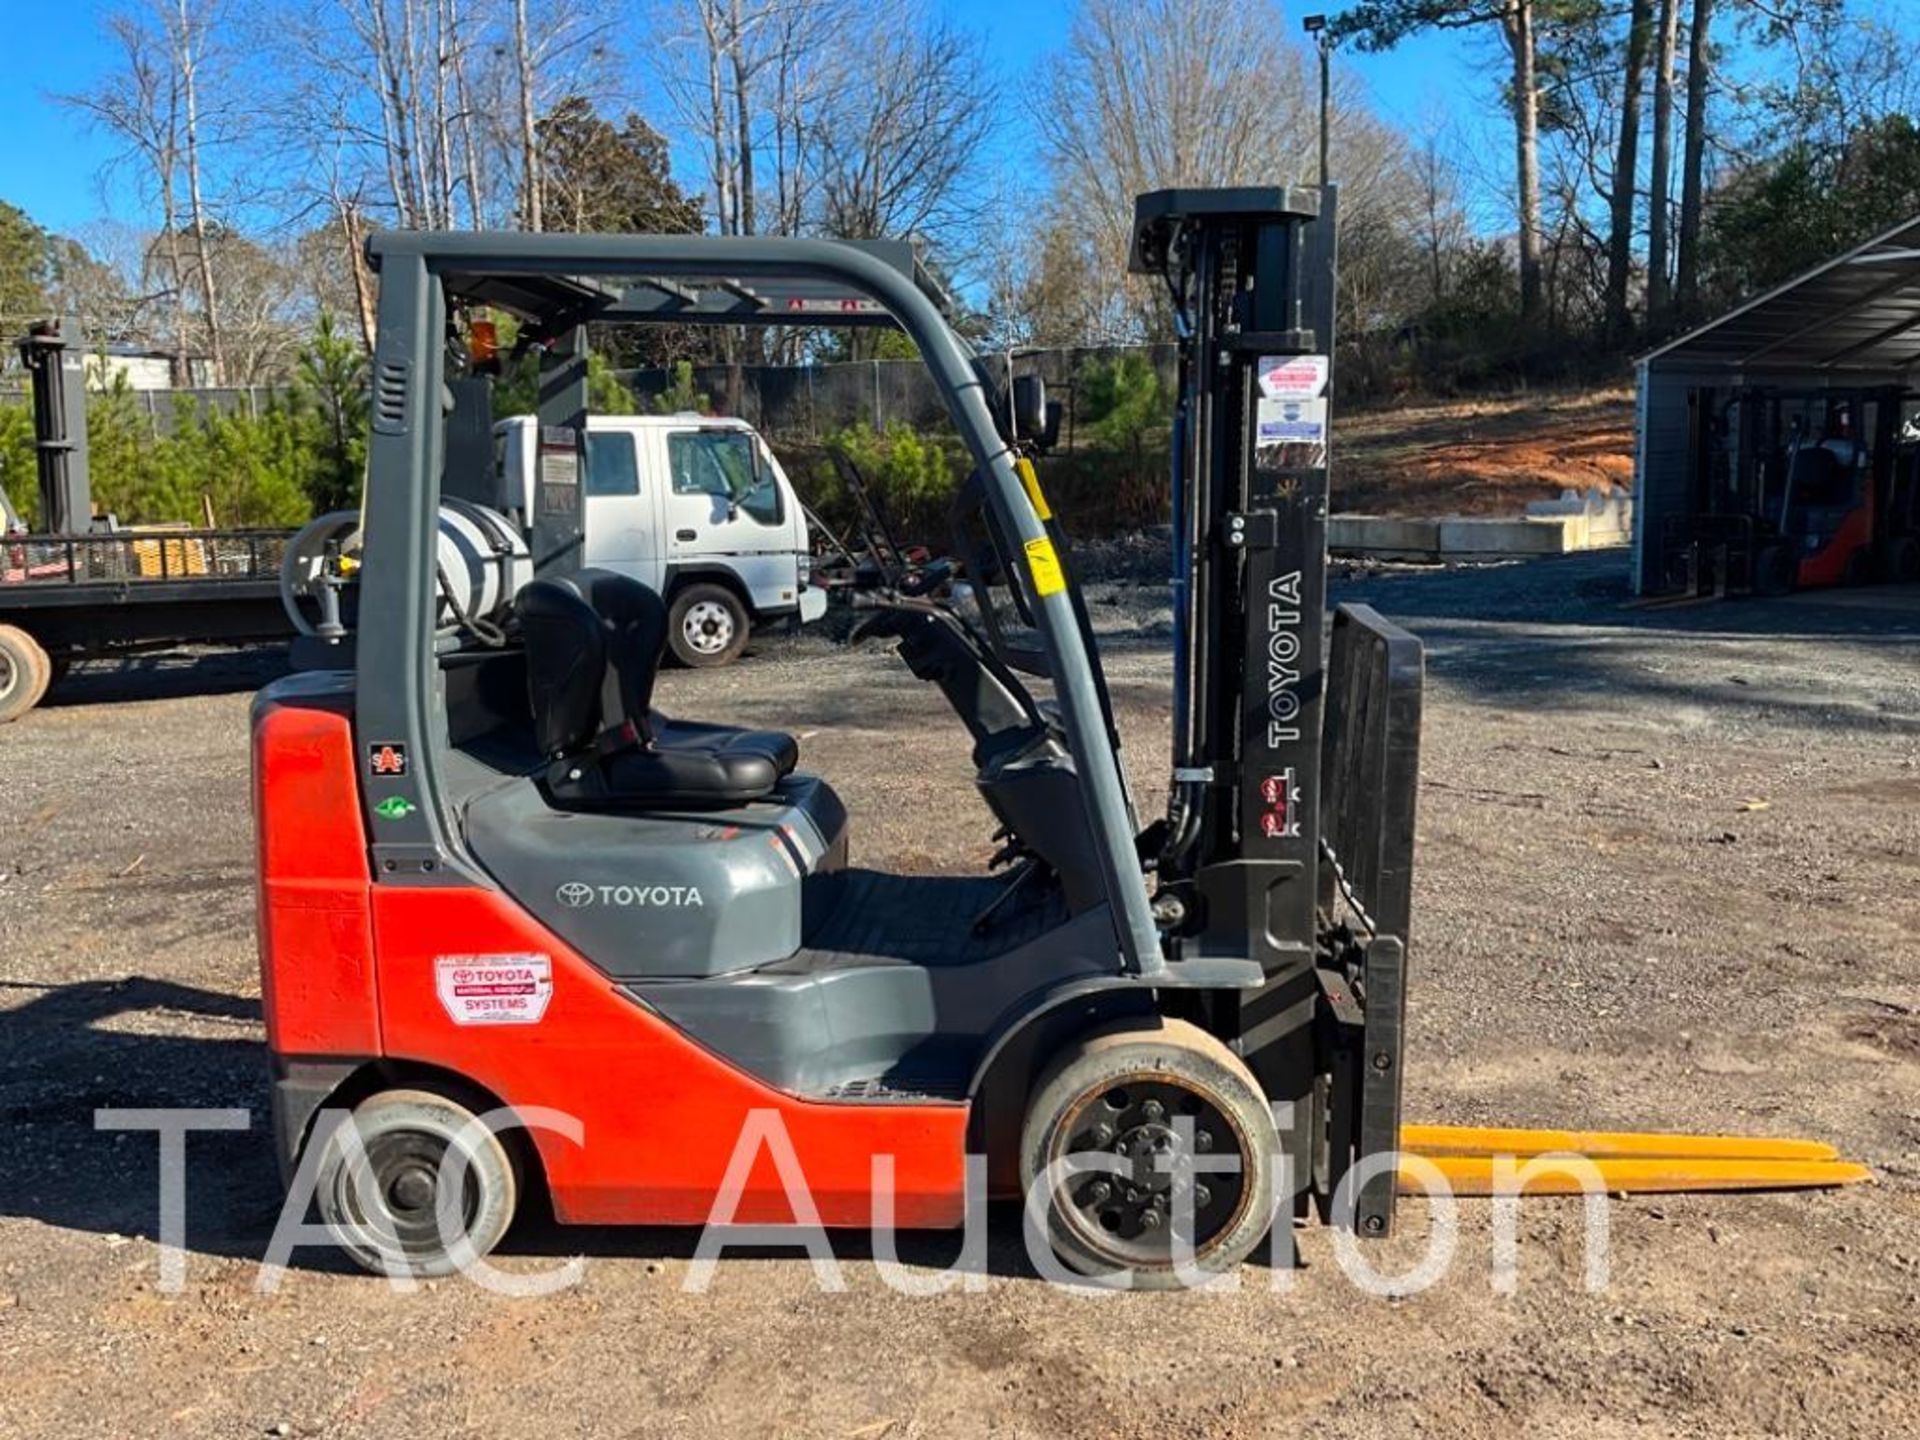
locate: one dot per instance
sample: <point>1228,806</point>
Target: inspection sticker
<point>1294,377</point>
<point>494,989</point>
<point>1292,422</point>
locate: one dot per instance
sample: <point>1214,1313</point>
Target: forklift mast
<point>55,356</point>
<point>1251,276</point>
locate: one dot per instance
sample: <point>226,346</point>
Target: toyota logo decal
<point>575,894</point>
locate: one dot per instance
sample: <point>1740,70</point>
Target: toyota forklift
<point>496,878</point>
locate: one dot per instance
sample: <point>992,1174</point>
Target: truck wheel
<point>1138,1096</point>
<point>387,1221</point>
<point>25,672</point>
<point>707,626</point>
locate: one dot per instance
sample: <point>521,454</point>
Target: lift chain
<point>1346,890</point>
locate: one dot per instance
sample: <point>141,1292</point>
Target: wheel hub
<point>1153,1127</point>
<point>708,627</point>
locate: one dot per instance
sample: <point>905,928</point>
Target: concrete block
<point>1384,535</point>
<point>1487,538</point>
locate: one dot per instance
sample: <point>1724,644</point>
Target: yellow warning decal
<point>1044,565</point>
<point>1030,478</point>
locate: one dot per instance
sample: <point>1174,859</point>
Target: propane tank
<point>481,560</point>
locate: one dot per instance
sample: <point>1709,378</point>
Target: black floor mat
<point>925,920</point>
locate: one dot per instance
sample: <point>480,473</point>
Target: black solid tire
<point>1775,572</point>
<point>25,672</point>
<point>493,1186</point>
<point>1902,562</point>
<point>1859,568</point>
<point>721,620</point>
<point>1162,1052</point>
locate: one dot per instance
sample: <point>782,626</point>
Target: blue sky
<point>51,162</point>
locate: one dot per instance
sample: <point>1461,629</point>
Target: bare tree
<point>138,103</point>
<point>1660,185</point>
<point>893,150</point>
<point>1694,160</point>
<point>1161,93</point>
<point>529,134</point>
<point>1626,170</point>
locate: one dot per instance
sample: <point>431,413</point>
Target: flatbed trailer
<point>65,598</point>
<point>86,586</point>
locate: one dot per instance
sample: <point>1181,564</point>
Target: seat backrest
<point>594,641</point>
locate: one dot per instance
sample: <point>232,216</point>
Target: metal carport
<point>1853,321</point>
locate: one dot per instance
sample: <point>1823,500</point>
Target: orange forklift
<point>495,876</point>
<point>1799,490</point>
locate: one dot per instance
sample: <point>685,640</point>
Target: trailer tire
<point>405,1135</point>
<point>25,672</point>
<point>707,626</point>
<point>1124,1092</point>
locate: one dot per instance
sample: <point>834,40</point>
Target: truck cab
<point>694,507</point>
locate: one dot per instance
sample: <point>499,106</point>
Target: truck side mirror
<point>1050,432</point>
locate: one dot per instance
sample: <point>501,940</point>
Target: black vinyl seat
<point>594,641</point>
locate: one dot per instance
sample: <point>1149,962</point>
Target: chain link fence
<point>159,410</point>
<point>809,403</point>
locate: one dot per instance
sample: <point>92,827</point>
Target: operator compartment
<point>659,849</point>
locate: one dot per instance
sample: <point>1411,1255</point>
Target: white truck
<point>697,509</point>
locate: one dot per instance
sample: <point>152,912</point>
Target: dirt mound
<point>1481,457</point>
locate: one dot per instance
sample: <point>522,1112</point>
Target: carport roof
<point>1857,312</point>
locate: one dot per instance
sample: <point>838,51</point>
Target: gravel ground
<point>1669,878</point>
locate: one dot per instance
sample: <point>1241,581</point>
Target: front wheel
<point>1775,571</point>
<point>1156,1146</point>
<point>707,626</point>
<point>1902,561</point>
<point>386,1214</point>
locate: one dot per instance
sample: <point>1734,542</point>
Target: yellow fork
<point>1624,1161</point>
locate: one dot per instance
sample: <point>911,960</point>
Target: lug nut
<point>1103,1134</point>
<point>1202,1197</point>
<point>1153,1109</point>
<point>1203,1140</point>
<point>1151,1219</point>
<point>1099,1192</point>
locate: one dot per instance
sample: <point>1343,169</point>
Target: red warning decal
<point>494,989</point>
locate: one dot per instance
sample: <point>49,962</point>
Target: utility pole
<point>1325,42</point>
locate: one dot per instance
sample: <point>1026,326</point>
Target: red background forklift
<point>1800,490</point>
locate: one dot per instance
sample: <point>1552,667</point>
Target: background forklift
<point>1800,490</point>
<point>492,873</point>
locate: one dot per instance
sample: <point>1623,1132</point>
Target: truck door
<point>725,509</point>
<point>621,520</point>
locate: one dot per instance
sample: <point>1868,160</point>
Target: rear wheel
<point>1118,1121</point>
<point>707,626</point>
<point>25,672</point>
<point>387,1219</point>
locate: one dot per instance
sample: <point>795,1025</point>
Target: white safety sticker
<point>494,989</point>
<point>1292,422</point>
<point>1294,377</point>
